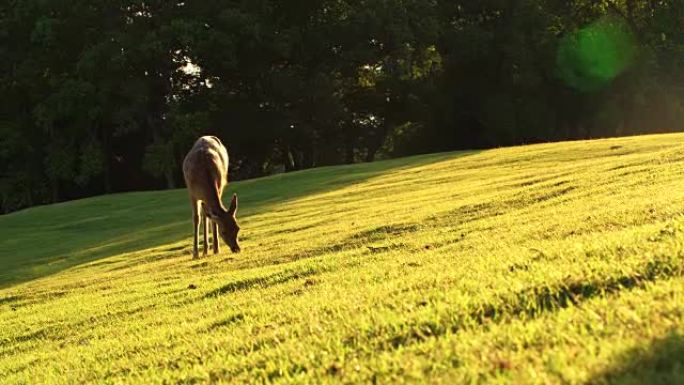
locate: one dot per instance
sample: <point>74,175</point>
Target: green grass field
<point>547,264</point>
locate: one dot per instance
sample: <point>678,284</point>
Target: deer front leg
<point>214,227</point>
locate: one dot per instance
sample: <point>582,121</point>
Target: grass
<point>557,263</point>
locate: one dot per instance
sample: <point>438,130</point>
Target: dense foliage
<point>99,96</point>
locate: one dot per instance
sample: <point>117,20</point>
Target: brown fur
<point>205,169</point>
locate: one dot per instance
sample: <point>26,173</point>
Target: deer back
<point>205,170</point>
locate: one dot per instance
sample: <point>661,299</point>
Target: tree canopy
<point>100,97</point>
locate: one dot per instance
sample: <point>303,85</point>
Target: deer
<point>205,170</point>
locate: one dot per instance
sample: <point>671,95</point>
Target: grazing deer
<point>205,169</point>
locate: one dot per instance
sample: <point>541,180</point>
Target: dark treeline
<point>101,96</point>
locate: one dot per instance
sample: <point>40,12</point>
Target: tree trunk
<point>289,159</point>
<point>376,142</point>
<point>309,157</point>
<point>348,154</point>
<point>107,155</point>
<point>349,146</point>
<point>170,180</point>
<point>54,185</point>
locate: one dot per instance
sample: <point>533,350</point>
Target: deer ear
<point>233,205</point>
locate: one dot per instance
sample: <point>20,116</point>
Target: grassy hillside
<point>557,263</point>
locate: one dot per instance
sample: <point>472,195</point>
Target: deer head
<point>227,224</point>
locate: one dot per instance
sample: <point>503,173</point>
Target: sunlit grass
<point>555,263</point>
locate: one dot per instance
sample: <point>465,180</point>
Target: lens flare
<point>592,57</point>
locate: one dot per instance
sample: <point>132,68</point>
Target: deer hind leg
<point>214,227</point>
<point>195,229</point>
<point>205,227</point>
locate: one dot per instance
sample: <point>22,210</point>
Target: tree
<point>99,97</point>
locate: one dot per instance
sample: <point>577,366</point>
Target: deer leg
<point>214,227</point>
<point>195,230</point>
<point>205,226</point>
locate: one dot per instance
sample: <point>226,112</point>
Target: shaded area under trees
<point>100,97</point>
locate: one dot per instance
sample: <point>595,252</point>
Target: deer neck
<point>215,205</point>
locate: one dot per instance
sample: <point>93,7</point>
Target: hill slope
<point>554,263</point>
